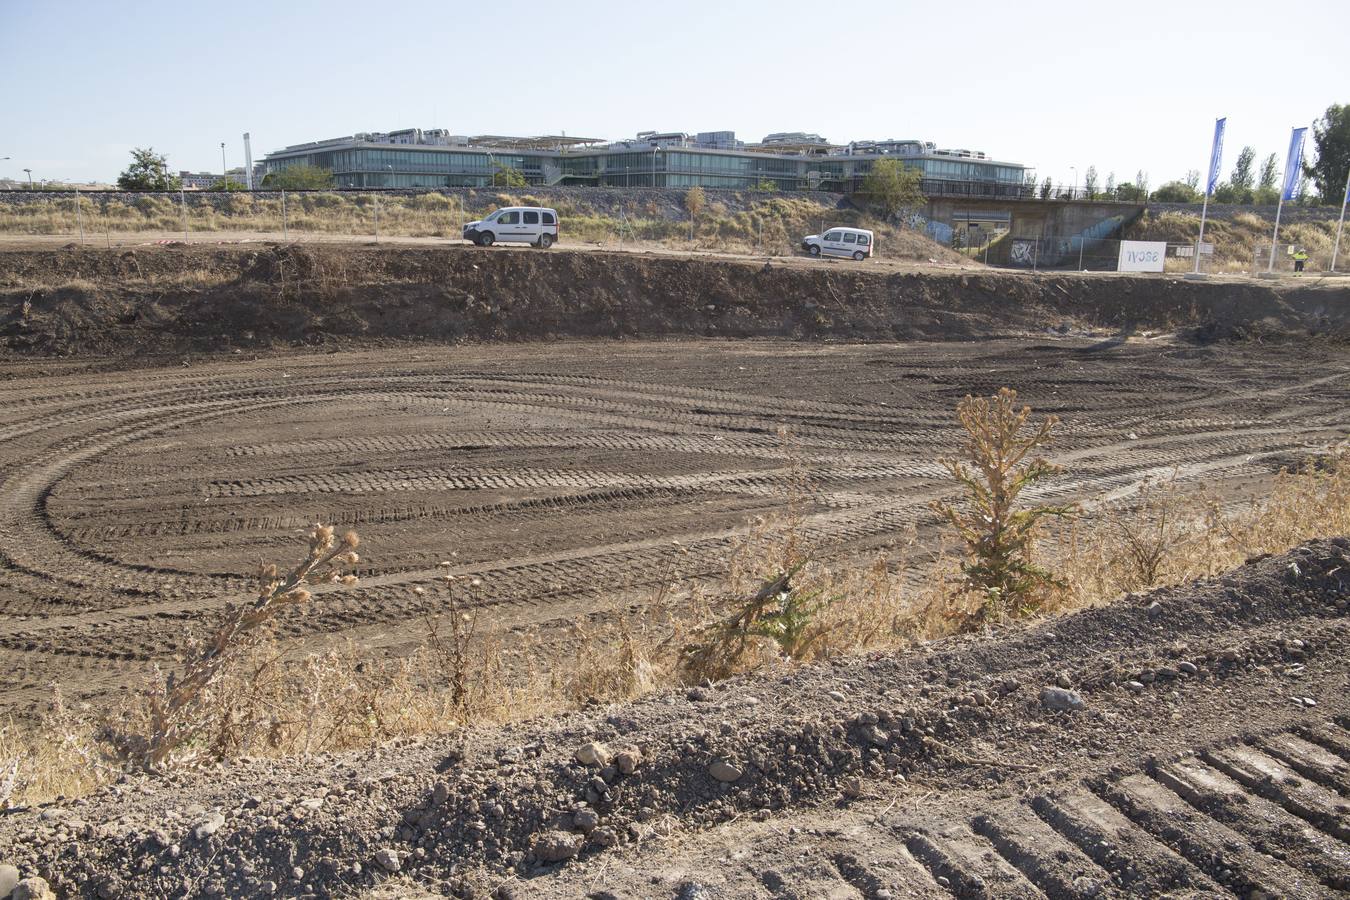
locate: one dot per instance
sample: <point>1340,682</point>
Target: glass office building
<point>415,159</point>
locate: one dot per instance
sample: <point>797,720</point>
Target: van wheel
<point>815,250</point>
<point>859,255</point>
<point>545,241</point>
<point>485,239</point>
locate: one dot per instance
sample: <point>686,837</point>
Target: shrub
<point>172,716</point>
<point>997,534</point>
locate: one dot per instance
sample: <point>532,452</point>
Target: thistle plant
<point>174,705</point>
<point>999,536</point>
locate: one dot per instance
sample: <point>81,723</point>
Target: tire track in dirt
<point>82,576</point>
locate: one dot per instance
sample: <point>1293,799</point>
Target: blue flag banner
<point>1293,165</point>
<point>1215,157</point>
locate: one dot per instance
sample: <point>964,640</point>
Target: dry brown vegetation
<point>1237,239</point>
<point>777,604</point>
<point>769,224</point>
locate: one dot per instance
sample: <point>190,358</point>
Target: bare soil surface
<point>1201,748</point>
<point>573,478</point>
<point>200,299</point>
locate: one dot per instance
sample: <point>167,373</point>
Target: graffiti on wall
<point>1022,252</point>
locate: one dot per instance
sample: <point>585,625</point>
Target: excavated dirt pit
<point>135,502</point>
<point>576,476</point>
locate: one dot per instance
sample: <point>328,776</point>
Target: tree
<point>1242,174</point>
<point>1127,190</point>
<point>299,178</point>
<point>765,186</point>
<point>505,176</point>
<point>1176,192</point>
<point>693,201</point>
<point>1331,136</point>
<point>1111,186</point>
<point>149,171</point>
<point>1192,179</point>
<point>892,187</point>
<point>1090,183</point>
<point>227,184</point>
<point>1046,188</point>
<point>1141,179</point>
<point>1267,192</point>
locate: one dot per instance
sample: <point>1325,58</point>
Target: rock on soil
<point>1061,699</point>
<point>555,846</point>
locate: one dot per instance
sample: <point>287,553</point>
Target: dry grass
<point>772,225</point>
<point>1236,238</point>
<point>274,699</point>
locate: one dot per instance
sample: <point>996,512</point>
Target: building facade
<point>789,161</point>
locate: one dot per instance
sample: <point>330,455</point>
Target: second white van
<point>533,225</point>
<point>856,243</point>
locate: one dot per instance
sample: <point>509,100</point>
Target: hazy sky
<point>1129,85</point>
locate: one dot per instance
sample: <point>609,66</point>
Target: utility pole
<point>224,176</point>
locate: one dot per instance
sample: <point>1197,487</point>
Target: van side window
<point>850,238</point>
<point>832,236</point>
<point>548,219</point>
<point>509,218</point>
<point>864,240</point>
<point>531,217</point>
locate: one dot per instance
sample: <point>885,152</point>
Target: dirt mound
<point>204,299</point>
<point>1096,698</point>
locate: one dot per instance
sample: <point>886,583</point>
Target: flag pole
<point>1340,224</point>
<point>1215,158</point>
<point>1199,242</point>
<point>1274,238</point>
<point>1292,164</point>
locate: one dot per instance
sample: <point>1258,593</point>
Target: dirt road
<point>569,477</point>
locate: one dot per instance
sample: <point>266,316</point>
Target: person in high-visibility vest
<point>1300,257</point>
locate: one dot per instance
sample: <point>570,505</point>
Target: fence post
<point>285,231</point>
<point>182,199</point>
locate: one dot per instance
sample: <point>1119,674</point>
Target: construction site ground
<point>147,464</point>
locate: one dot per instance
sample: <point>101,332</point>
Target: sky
<point>1126,86</point>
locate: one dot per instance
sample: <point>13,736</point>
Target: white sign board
<point>1142,256</point>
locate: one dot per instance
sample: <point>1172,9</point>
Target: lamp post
<point>30,178</point>
<point>224,177</point>
<point>1073,190</point>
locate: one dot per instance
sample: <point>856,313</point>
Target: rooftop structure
<point>414,158</point>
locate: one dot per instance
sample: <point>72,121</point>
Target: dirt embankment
<point>172,299</point>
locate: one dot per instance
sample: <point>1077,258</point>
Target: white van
<point>533,225</point>
<point>854,242</point>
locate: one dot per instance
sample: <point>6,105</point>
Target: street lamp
<point>30,178</point>
<point>224,173</point>
<point>1074,190</point>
